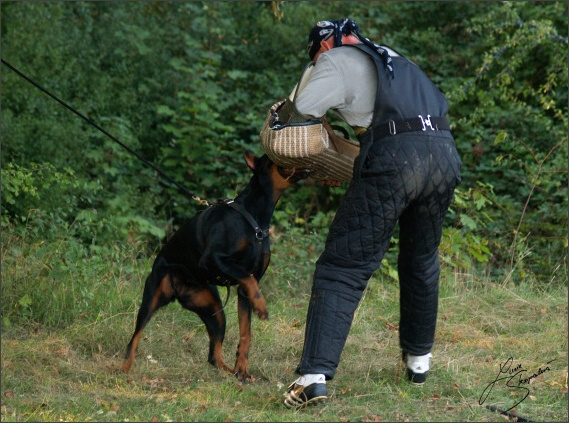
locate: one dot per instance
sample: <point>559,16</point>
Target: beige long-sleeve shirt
<point>344,79</point>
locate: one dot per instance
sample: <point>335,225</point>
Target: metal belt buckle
<point>392,129</point>
<point>427,122</point>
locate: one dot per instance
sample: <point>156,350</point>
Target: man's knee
<point>419,268</point>
<point>343,275</point>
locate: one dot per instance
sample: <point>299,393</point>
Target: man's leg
<point>358,239</point>
<point>418,264</point>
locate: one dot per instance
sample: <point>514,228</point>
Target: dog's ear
<point>250,159</point>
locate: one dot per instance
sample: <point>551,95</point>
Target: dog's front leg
<point>244,314</point>
<point>250,287</point>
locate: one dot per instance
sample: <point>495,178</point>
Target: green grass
<point>67,368</point>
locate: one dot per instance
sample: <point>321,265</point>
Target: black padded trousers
<point>408,178</point>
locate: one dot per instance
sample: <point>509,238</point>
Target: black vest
<point>409,94</point>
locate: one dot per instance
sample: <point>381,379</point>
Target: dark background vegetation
<point>188,85</point>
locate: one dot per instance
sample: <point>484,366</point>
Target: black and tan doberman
<point>226,244</point>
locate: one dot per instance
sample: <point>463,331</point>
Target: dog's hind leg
<point>206,303</point>
<point>158,292</point>
<point>244,314</point>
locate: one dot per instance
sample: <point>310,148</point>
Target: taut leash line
<point>183,189</point>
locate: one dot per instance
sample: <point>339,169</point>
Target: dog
<point>226,244</point>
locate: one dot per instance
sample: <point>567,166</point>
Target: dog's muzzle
<point>293,175</point>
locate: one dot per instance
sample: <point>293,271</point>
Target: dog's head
<point>281,178</point>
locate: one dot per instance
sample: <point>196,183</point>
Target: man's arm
<point>324,90</point>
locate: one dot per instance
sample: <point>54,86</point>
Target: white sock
<point>310,378</point>
<point>419,363</point>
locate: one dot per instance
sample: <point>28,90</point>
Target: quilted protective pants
<point>408,178</point>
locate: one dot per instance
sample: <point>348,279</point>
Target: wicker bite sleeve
<point>310,145</point>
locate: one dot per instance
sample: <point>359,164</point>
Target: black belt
<point>420,123</point>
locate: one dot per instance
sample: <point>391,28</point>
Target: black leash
<point>508,414</point>
<point>183,189</point>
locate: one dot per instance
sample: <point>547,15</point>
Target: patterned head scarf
<point>325,29</point>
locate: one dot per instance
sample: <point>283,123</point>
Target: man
<point>406,173</point>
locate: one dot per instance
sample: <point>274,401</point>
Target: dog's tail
<point>160,268</point>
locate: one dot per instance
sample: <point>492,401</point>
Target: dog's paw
<point>125,368</point>
<point>242,376</point>
<point>262,314</point>
<point>248,379</point>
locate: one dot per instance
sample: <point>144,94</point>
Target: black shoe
<point>299,396</point>
<point>417,368</point>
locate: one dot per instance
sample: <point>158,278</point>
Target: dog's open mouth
<point>294,174</point>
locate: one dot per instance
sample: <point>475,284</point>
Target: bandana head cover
<point>326,29</point>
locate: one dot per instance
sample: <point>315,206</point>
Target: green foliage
<point>515,113</point>
<point>188,85</point>
<point>31,188</point>
<point>55,282</point>
<point>465,242</point>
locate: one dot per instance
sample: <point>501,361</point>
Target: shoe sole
<point>300,397</point>
<point>417,379</point>
<point>310,402</point>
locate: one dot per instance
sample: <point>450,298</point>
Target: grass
<point>68,369</point>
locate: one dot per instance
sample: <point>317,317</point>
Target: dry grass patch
<point>71,373</point>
